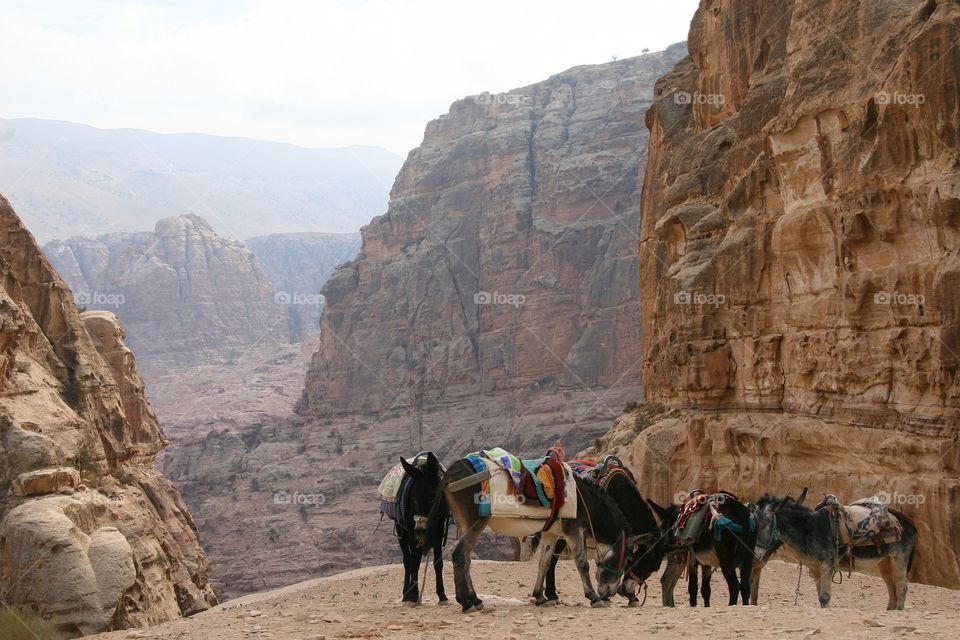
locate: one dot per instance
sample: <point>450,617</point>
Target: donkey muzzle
<point>420,529</point>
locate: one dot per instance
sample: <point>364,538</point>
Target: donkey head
<point>768,531</point>
<point>423,491</point>
<point>611,566</point>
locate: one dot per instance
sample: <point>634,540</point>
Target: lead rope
<point>796,593</point>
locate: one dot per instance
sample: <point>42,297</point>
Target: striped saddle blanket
<point>524,488</point>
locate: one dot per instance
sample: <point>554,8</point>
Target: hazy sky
<point>312,72</point>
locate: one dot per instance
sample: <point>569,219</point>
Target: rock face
<point>299,264</point>
<point>185,295</point>
<point>799,260</point>
<point>505,264</point>
<point>91,535</point>
<point>69,179</point>
<point>494,302</point>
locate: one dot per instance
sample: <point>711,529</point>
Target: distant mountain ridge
<point>69,179</point>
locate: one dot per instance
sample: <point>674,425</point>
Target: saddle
<point>394,488</point>
<point>864,523</point>
<point>603,472</point>
<point>693,516</point>
<point>531,485</point>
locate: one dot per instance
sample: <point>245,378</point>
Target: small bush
<point>20,625</point>
<point>630,407</point>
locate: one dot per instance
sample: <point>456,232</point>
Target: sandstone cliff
<point>799,260</point>
<point>91,535</point>
<point>494,302</point>
<point>185,295</point>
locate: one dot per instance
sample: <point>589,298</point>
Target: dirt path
<point>364,604</point>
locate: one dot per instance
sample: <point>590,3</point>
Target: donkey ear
<point>803,496</point>
<point>661,512</point>
<point>411,470</point>
<point>641,540</point>
<point>432,466</point>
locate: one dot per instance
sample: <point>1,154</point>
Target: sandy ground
<point>365,604</point>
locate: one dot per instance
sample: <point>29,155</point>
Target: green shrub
<point>20,625</point>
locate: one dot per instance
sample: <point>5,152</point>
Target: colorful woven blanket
<point>539,481</point>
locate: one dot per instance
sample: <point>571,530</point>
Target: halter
<point>621,558</point>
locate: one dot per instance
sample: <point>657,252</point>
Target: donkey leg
<point>692,581</point>
<point>885,567</point>
<point>551,592</point>
<point>755,584</point>
<point>466,596</point>
<point>413,590</point>
<point>408,571</point>
<point>824,578</point>
<point>579,548</point>
<point>746,571</point>
<point>544,563</point>
<point>900,572</point>
<point>438,569</point>
<point>668,581</point>
<point>733,584</point>
<point>705,590</point>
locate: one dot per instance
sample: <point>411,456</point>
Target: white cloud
<point>312,72</point>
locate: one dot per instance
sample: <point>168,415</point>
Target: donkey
<point>412,527</point>
<point>642,524</point>
<point>809,534</point>
<point>760,563</point>
<point>597,513</point>
<point>729,548</point>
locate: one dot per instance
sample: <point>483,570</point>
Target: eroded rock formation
<point>799,260</point>
<point>91,535</point>
<point>185,295</point>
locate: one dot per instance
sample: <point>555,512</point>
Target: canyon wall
<point>799,267</point>
<point>299,264</point>
<point>91,535</point>
<point>184,294</point>
<point>495,302</point>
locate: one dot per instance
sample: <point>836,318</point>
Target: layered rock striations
<point>799,265</point>
<point>185,294</point>
<point>91,535</point>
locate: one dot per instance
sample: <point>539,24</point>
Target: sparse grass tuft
<point>20,625</point>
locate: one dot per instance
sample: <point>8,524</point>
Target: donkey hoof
<point>477,608</point>
<point>407,603</point>
<point>443,603</point>
<point>550,603</point>
<point>633,603</point>
<point>599,604</point>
